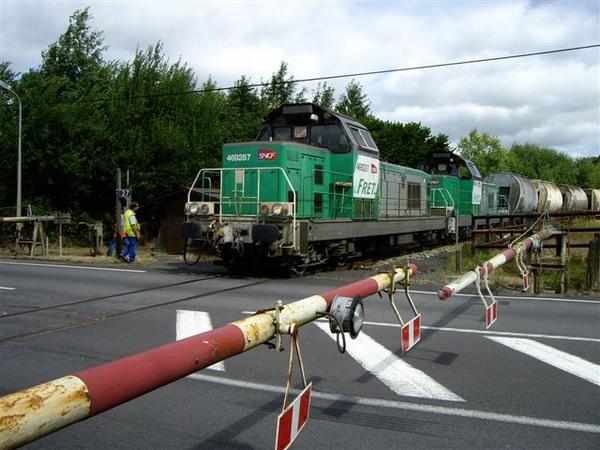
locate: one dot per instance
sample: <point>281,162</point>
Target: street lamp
<point>7,88</point>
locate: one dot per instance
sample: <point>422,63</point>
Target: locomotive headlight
<point>348,313</point>
<point>204,209</point>
<point>278,209</point>
<point>264,210</point>
<point>192,208</point>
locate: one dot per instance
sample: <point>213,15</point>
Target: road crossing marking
<point>561,360</point>
<point>395,373</point>
<point>492,333</point>
<point>190,323</point>
<point>5,288</point>
<point>407,406</point>
<point>495,333</point>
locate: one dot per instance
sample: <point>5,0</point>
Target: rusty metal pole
<point>35,412</point>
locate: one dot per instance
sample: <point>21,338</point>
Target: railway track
<point>106,297</point>
<point>109,316</point>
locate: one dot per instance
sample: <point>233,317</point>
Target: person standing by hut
<point>132,232</point>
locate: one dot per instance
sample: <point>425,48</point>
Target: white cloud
<point>551,100</point>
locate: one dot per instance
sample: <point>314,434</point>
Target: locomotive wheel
<point>192,250</point>
<point>297,270</point>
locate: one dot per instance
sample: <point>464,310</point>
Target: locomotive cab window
<point>265,134</point>
<point>474,170</point>
<point>282,134</point>
<point>363,139</point>
<point>329,136</point>
<point>463,173</point>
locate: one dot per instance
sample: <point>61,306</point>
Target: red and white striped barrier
<point>475,276</point>
<point>469,278</point>
<point>76,397</point>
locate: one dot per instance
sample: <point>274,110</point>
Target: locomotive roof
<point>301,112</point>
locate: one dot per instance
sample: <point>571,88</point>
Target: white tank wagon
<point>549,196</point>
<point>519,191</point>
<point>593,196</point>
<point>574,198</point>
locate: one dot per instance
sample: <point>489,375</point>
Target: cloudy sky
<point>551,100</point>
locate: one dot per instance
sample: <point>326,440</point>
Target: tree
<point>77,52</point>
<point>244,112</point>
<point>324,96</point>
<point>485,150</point>
<point>64,130</point>
<point>588,172</point>
<point>543,163</point>
<point>280,89</point>
<point>8,139</point>
<point>404,143</point>
<point>155,122</point>
<point>354,102</point>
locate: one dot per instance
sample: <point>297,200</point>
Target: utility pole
<point>118,214</point>
<point>8,89</point>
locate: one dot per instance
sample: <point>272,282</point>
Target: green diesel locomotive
<point>312,190</point>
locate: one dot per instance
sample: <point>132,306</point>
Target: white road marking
<point>557,358</point>
<point>509,297</point>
<point>406,406</point>
<point>71,267</point>
<point>4,288</point>
<point>492,333</point>
<point>190,323</point>
<point>395,373</point>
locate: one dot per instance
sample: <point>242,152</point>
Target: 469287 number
<point>238,157</point>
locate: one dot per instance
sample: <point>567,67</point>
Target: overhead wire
<point>339,76</point>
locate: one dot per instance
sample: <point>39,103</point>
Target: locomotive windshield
<point>450,164</point>
<point>327,136</point>
<point>313,125</point>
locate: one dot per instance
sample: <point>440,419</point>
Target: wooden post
<point>593,264</point>
<point>563,261</point>
<point>34,238</point>
<point>60,221</point>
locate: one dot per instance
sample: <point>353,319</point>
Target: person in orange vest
<point>132,231</point>
<point>113,243</point>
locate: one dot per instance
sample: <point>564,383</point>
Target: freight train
<point>312,190</point>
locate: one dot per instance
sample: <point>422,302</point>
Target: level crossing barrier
<point>40,410</point>
<point>482,272</point>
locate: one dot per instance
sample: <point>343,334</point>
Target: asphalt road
<point>531,381</point>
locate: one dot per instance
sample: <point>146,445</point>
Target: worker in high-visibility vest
<point>115,237</point>
<point>132,232</point>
